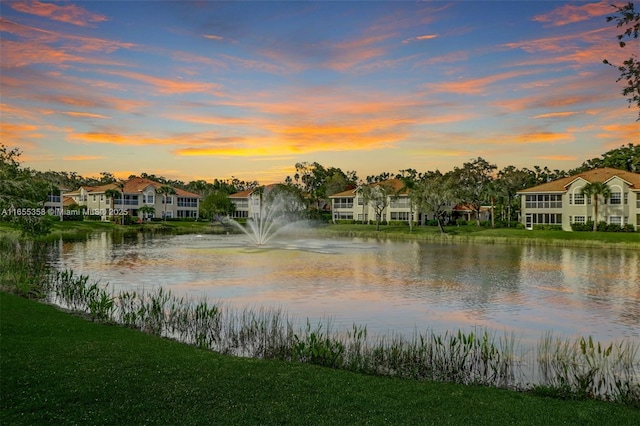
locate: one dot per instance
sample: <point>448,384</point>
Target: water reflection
<point>390,286</point>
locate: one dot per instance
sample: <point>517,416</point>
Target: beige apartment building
<point>138,192</point>
<point>562,203</point>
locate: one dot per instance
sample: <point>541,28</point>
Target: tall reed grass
<point>576,368</point>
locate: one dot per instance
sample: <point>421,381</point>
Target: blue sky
<point>204,90</point>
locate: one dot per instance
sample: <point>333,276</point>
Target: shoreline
<point>454,235</point>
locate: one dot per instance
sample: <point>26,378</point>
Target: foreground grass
<point>60,369</point>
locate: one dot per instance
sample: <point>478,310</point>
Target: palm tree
<point>165,190</point>
<point>146,210</point>
<point>594,189</point>
<point>408,184</point>
<point>120,186</point>
<point>113,194</point>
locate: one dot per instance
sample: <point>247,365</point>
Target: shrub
<point>398,223</point>
<point>580,227</point>
<point>547,227</point>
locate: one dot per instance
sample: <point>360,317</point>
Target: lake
<point>390,286</point>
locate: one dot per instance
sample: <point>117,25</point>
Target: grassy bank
<point>454,234</point>
<point>60,369</point>
<point>77,229</point>
<point>472,233</point>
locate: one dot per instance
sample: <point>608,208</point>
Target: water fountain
<point>279,211</point>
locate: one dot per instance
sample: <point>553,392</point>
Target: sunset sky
<point>204,90</point>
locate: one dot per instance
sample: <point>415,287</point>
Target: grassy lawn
<point>80,228</point>
<point>61,369</point>
<point>467,233</point>
<point>488,235</point>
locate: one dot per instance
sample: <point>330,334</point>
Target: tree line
<point>476,183</point>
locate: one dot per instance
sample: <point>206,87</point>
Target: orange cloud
<point>83,114</point>
<point>212,37</point>
<point>70,14</point>
<point>557,157</point>
<point>556,114</point>
<point>475,86</point>
<point>543,137</point>
<point>623,132</point>
<point>82,157</point>
<point>418,38</point>
<point>16,134</point>
<point>118,139</point>
<point>571,13</point>
<point>73,42</point>
<point>168,86</point>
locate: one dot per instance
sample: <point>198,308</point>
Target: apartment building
<point>136,193</point>
<point>351,204</point>
<point>561,202</point>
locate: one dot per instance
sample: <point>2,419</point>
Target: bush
<point>602,227</point>
<point>547,227</point>
<point>398,223</point>
<point>581,227</point>
<point>461,222</point>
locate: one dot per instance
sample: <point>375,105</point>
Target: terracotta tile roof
<point>242,194</point>
<point>468,208</point>
<point>347,193</point>
<point>248,192</point>
<point>396,184</point>
<point>596,175</point>
<point>136,185</point>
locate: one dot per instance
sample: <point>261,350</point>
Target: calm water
<point>389,286</point>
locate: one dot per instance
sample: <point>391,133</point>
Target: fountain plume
<point>279,210</point>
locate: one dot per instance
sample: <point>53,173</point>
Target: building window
<point>532,219</point>
<point>626,198</point>
<point>148,199</point>
<point>543,201</point>
<point>187,214</point>
<point>399,203</point>
<point>193,202</point>
<point>129,200</point>
<point>343,216</point>
<point>578,199</point>
<point>404,216</point>
<point>616,198</point>
<point>240,204</point>
<point>343,203</point>
<point>579,219</point>
<point>615,220</point>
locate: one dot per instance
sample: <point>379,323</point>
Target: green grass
<point>79,229</point>
<point>61,369</point>
<point>472,233</point>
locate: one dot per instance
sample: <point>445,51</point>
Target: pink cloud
<point>82,157</point>
<point>572,13</point>
<point>70,14</point>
